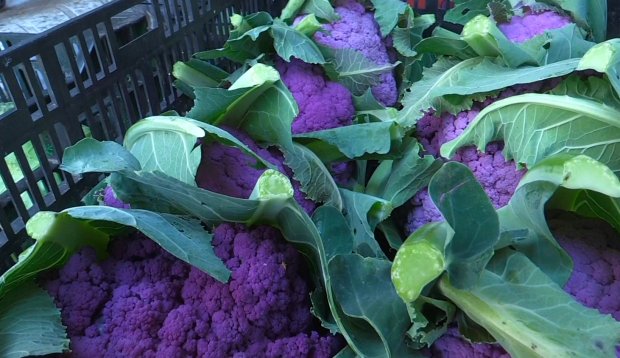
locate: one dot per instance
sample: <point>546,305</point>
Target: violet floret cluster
<point>523,28</point>
<point>229,171</point>
<point>143,302</point>
<point>357,29</point>
<point>498,177</point>
<point>110,199</point>
<point>323,104</point>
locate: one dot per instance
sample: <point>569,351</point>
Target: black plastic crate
<point>90,77</point>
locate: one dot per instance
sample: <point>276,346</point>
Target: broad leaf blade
<point>604,58</point>
<point>218,105</point>
<point>30,324</point>
<point>465,10</point>
<point>590,14</point>
<point>182,237</point>
<point>430,319</point>
<point>197,73</point>
<point>336,234</point>
<point>591,88</point>
<point>588,203</point>
<point>407,38</point>
<point>526,209</point>
<point>270,118</point>
<point>361,337</point>
<point>363,213</point>
<point>464,78</point>
<point>352,141</point>
<point>446,43</point>
<point>379,309</point>
<point>531,124</point>
<point>164,194</point>
<point>321,9</point>
<point>353,69</point>
<point>367,102</point>
<point>90,155</point>
<point>291,9</point>
<point>211,104</point>
<point>316,181</point>
<point>469,211</point>
<point>289,42</point>
<point>530,315</point>
<point>408,176</point>
<point>387,12</point>
<point>563,43</point>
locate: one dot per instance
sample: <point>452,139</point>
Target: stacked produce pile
<point>364,184</point>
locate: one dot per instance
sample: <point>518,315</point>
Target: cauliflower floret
<point>530,25</point>
<point>498,178</point>
<point>452,345</point>
<point>143,302</point>
<point>80,275</point>
<point>323,104</point>
<point>228,170</point>
<point>302,345</point>
<point>357,29</point>
<point>595,249</point>
<point>110,199</point>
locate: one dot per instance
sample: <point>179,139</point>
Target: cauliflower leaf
<point>30,324</point>
<point>530,315</point>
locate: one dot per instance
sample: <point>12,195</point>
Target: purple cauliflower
<point>452,345</point>
<point>595,250</point>
<point>110,199</point>
<point>323,104</point>
<point>228,170</point>
<point>532,24</point>
<point>357,29</point>
<point>498,177</point>
<point>143,302</point>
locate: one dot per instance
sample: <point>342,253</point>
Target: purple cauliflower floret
<point>134,315</point>
<point>323,104</point>
<point>81,274</point>
<point>143,302</point>
<point>595,249</point>
<point>357,29</point>
<point>228,170</point>
<point>302,345</point>
<point>498,178</point>
<point>452,345</point>
<point>110,199</point>
<point>523,28</point>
